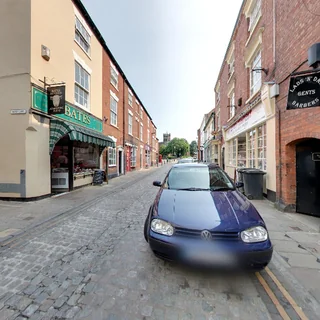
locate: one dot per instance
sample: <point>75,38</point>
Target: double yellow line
<point>285,293</point>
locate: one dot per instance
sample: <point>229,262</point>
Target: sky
<point>171,51</point>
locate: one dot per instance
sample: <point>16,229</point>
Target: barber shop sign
<point>56,99</point>
<point>304,92</point>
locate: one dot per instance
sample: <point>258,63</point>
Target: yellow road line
<point>286,294</point>
<point>272,296</point>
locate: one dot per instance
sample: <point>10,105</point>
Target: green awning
<point>59,129</point>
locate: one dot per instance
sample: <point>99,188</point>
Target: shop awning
<point>59,129</point>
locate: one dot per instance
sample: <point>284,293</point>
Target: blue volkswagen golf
<point>199,217</point>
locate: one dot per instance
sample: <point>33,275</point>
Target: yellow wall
<point>53,25</point>
<point>14,88</point>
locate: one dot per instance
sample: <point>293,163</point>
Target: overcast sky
<point>171,51</point>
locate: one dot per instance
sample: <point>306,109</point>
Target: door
<point>120,162</point>
<point>222,159</point>
<point>308,177</point>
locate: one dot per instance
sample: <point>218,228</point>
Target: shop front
<point>250,143</point>
<point>76,143</point>
<point>147,156</point>
<point>131,157</point>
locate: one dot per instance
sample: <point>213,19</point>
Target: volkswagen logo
<point>206,235</point>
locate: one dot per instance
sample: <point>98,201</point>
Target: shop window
<point>133,157</point>
<point>82,86</point>
<point>112,157</point>
<point>130,99</point>
<point>255,76</point>
<point>232,152</point>
<point>242,152</point>
<point>113,111</point>
<point>252,148</point>
<point>86,157</point>
<point>262,147</point>
<point>82,36</point>
<point>113,76</point>
<point>130,124</point>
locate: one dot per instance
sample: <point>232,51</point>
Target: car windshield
<point>199,178</point>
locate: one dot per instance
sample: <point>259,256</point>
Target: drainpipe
<point>124,150</point>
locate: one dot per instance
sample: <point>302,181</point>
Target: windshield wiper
<point>222,189</point>
<point>194,189</point>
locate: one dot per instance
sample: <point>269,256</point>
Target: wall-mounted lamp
<point>261,69</point>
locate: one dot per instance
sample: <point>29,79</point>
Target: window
<point>82,86</point>
<point>82,36</point>
<point>130,124</point>
<point>133,157</point>
<point>232,109</point>
<point>262,148</point>
<point>218,96</point>
<point>232,152</point>
<point>113,76</point>
<point>130,99</point>
<point>231,67</point>
<point>252,148</point>
<point>112,157</point>
<point>213,124</point>
<point>113,111</point>
<point>255,76</point>
<point>148,137</point>
<point>242,154</point>
<point>141,113</point>
<point>254,16</point>
<point>141,132</point>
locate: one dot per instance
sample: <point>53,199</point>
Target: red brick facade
<point>286,30</point>
<point>298,28</point>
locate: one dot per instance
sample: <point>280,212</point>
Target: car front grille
<point>190,233</point>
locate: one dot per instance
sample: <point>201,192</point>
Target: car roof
<point>195,164</point>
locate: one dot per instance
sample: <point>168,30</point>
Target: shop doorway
<point>222,159</point>
<point>120,163</point>
<point>308,177</point>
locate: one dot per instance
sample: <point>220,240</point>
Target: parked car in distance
<point>186,160</point>
<point>199,217</point>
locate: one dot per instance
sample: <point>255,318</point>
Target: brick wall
<point>297,29</point>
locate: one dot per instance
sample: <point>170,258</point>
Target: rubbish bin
<point>253,183</point>
<point>240,176</point>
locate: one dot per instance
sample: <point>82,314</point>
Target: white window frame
<point>133,157</point>
<point>231,67</point>
<point>252,148</point>
<point>141,132</point>
<point>81,87</point>
<point>114,76</point>
<point>262,147</point>
<point>232,152</point>
<point>254,15</point>
<point>130,99</point>
<point>255,76</point>
<point>148,136</point>
<point>130,123</point>
<point>113,111</point>
<point>82,36</point>
<point>112,157</point>
<point>141,113</point>
<point>232,107</point>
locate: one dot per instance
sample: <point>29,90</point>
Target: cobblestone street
<point>97,265</point>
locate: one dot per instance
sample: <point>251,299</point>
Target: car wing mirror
<point>157,183</point>
<point>239,184</point>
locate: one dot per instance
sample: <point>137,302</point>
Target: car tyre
<point>145,229</point>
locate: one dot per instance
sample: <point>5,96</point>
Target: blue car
<point>199,217</point>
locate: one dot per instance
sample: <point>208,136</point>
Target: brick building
<point>267,49</point>
<point>298,130</point>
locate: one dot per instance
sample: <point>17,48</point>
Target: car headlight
<point>162,227</point>
<point>255,234</point>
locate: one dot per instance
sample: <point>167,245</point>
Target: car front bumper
<point>233,254</point>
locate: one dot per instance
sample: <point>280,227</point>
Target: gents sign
<point>304,92</point>
<point>56,100</point>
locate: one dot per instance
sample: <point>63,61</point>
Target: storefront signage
<point>18,111</point>
<point>304,92</point>
<point>56,100</point>
<point>252,118</point>
<point>71,113</point>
